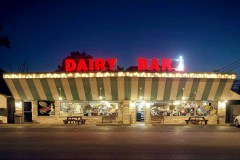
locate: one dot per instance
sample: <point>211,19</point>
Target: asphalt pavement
<point>136,142</point>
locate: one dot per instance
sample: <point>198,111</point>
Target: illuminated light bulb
<point>135,74</point>
<point>63,75</point>
<point>60,98</point>
<point>18,104</point>
<point>100,97</point>
<point>107,74</point>
<point>75,75</point>
<point>176,102</point>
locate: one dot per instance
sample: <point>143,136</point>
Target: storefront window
<point>184,108</point>
<point>88,109</point>
<point>69,108</point>
<point>103,108</point>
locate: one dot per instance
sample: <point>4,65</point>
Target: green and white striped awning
<point>118,87</point>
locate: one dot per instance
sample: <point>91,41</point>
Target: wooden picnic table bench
<point>157,119</point>
<point>74,120</point>
<point>109,119</point>
<point>196,120</point>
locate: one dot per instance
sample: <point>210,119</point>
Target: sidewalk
<point>34,125</point>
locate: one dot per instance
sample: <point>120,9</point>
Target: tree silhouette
<point>132,68</point>
<point>4,88</point>
<point>76,55</point>
<point>119,68</point>
<point>4,40</point>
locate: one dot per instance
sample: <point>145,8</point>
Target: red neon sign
<point>165,65</point>
<point>98,64</point>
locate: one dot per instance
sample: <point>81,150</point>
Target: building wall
<point>3,109</point>
<point>126,115</point>
<point>234,110</point>
<point>118,86</point>
<point>57,119</point>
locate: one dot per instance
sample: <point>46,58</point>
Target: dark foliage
<point>132,68</point>
<point>3,86</point>
<point>120,68</point>
<point>4,40</point>
<point>74,55</point>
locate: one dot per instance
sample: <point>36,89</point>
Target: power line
<point>231,66</point>
<point>236,65</point>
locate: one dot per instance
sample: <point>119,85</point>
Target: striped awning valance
<point>120,88</point>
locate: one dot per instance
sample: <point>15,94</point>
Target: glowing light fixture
<point>18,104</point>
<point>176,102</point>
<point>60,94</point>
<point>140,94</point>
<point>121,74</point>
<point>183,98</point>
<point>222,104</point>
<point>181,64</point>
<point>100,93</point>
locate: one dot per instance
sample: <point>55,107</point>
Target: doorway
<point>27,111</point>
<point>140,111</point>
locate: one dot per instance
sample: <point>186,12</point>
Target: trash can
<point>17,119</point>
<point>220,119</point>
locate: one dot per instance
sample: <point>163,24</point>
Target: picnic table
<point>109,119</point>
<point>157,119</point>
<point>74,120</point>
<point>196,120</point>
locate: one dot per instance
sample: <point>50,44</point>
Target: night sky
<point>205,32</point>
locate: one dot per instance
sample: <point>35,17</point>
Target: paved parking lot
<point>116,142</point>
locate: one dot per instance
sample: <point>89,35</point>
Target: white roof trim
<point>233,96</point>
